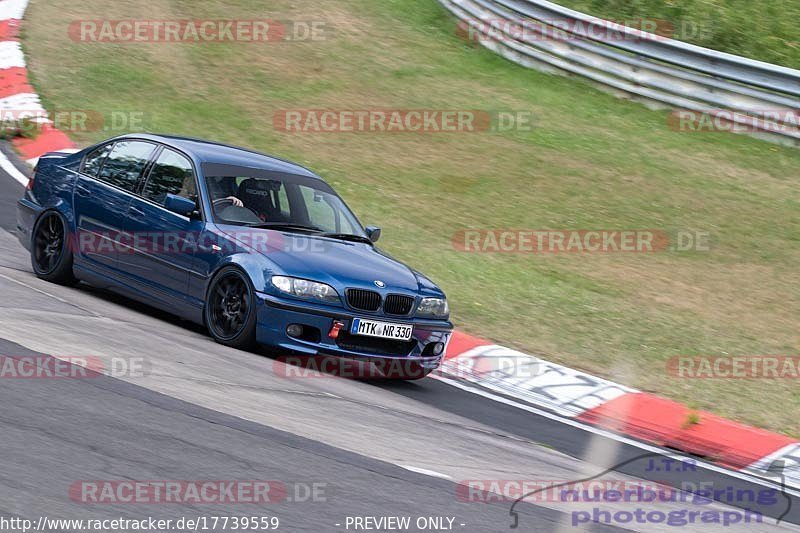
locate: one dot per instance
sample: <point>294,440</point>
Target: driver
<point>223,188</point>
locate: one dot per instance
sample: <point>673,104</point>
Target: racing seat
<point>262,197</point>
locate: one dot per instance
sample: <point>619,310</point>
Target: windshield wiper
<point>314,229</point>
<point>347,237</point>
<point>285,225</point>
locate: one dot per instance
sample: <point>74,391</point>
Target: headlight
<point>435,307</point>
<point>303,288</point>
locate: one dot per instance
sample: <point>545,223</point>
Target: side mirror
<point>180,205</point>
<point>374,233</point>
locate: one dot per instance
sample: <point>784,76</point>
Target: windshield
<point>281,200</point>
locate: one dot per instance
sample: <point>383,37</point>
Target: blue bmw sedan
<point>258,249</point>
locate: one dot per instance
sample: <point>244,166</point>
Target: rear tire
<point>51,255</point>
<point>230,311</point>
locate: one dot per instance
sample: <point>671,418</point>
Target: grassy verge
<point>590,162</point>
<point>764,30</point>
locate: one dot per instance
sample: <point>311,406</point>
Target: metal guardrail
<point>751,96</point>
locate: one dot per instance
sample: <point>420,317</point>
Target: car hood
<point>335,262</point>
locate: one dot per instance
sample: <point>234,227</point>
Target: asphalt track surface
<point>201,411</point>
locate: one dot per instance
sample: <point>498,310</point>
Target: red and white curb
<point>17,97</point>
<point>557,388</point>
<point>600,403</point>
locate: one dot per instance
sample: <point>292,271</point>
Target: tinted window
<point>171,174</point>
<point>125,164</point>
<point>95,160</point>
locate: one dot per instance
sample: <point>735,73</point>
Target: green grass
<point>591,162</point>
<point>764,29</point>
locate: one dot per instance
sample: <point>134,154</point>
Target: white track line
<point>12,170</point>
<point>425,471</point>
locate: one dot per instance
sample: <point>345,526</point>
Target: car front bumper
<point>276,314</point>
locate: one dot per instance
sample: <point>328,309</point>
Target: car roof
<point>212,152</point>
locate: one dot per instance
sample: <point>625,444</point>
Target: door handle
<point>135,212</point>
<point>80,190</point>
<point>211,249</point>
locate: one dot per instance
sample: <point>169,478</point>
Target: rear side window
<point>171,174</point>
<point>125,163</point>
<point>95,160</point>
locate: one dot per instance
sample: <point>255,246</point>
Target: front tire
<point>230,311</point>
<point>51,255</point>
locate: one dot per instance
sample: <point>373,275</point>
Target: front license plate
<point>384,330</point>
